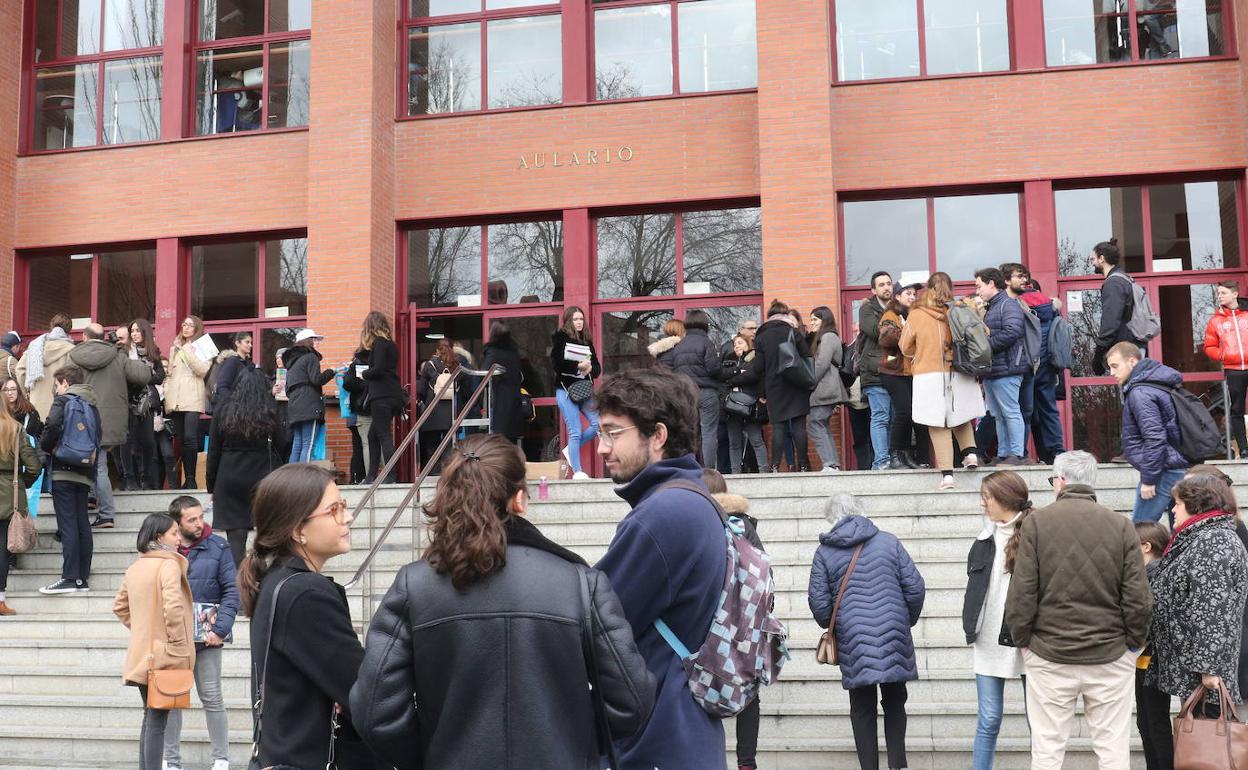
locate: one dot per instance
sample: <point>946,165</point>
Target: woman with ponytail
<point>310,644</point>
<point>1003,499</point>
<point>495,607</point>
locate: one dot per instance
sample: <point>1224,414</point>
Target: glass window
<point>224,19</point>
<point>626,335</point>
<point>636,255</point>
<point>65,107</point>
<point>1087,217</point>
<point>286,277</point>
<point>966,36</point>
<point>532,337</point>
<point>131,100</point>
<point>271,341</point>
<point>462,330</point>
<point>1188,310</point>
<point>1098,428</point>
<point>633,51</point>
<point>229,90</point>
<point>224,281</point>
<point>541,436</point>
<point>444,266</point>
<point>723,250</point>
<point>525,262</point>
<point>47,15</point>
<point>1172,30</point>
<point>888,235</point>
<point>1096,31</point>
<point>133,24</point>
<point>127,287</point>
<point>1083,310</point>
<point>525,61</point>
<point>976,231</point>
<point>444,69</point>
<point>80,26</point>
<point>876,39</point>
<point>110,287</point>
<point>64,283</point>
<point>422,8</point>
<point>290,66</point>
<point>717,48</point>
<point>288,15</point>
<point>1194,226</point>
<point>726,320</point>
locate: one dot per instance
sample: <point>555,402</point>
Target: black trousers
<point>1237,384</point>
<point>1152,718</point>
<point>358,471</point>
<point>904,433</point>
<point>381,438</point>
<point>138,454</point>
<point>860,427</point>
<point>186,428</point>
<point>69,500</point>
<point>781,432</point>
<point>237,539</point>
<point>747,735</point>
<point>863,713</point>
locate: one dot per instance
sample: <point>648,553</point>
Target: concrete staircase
<point>62,704</point>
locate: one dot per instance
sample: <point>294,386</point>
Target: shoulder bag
<point>257,708</point>
<point>168,688</point>
<point>23,538</point>
<point>826,652</point>
<point>796,369</point>
<point>581,391</point>
<point>606,746</point>
<point>1201,743</point>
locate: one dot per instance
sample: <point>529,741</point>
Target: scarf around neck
<point>34,355</point>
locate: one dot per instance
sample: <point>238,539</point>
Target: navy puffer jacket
<point>1150,430</point>
<point>882,602</point>
<point>696,357</point>
<point>211,574</point>
<point>1006,328</point>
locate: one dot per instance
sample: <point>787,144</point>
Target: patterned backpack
<point>746,646</point>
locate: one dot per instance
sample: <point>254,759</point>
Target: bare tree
<point>529,257</point>
<point>445,263</point>
<point>724,248</point>
<point>616,82</point>
<point>445,77</point>
<point>529,88</point>
<point>637,255</point>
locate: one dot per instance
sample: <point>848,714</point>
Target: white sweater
<point>990,657</point>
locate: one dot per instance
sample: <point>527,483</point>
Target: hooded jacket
<point>1006,328</point>
<point>927,341</point>
<point>1226,338</point>
<point>54,427</point>
<point>882,602</point>
<point>1150,430</point>
<point>1078,593</point>
<point>661,350</point>
<point>55,353</point>
<point>304,379</point>
<point>433,649</point>
<point>210,573</point>
<point>695,357</point>
<point>111,374</point>
<point>667,560</point>
<point>1199,589</point>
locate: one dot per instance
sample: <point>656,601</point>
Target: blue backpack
<point>80,434</point>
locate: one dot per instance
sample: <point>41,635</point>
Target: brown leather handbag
<point>826,652</point>
<point>168,688</point>
<point>1201,743</point>
<point>23,538</point>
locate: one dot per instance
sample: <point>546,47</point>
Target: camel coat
<point>185,389</point>
<point>157,576</point>
<point>942,397</point>
<point>55,355</point>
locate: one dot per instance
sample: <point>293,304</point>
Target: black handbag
<point>739,404</point>
<point>581,391</point>
<point>796,369</point>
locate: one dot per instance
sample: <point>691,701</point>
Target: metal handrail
<point>414,490</point>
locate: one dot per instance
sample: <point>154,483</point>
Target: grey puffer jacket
<point>1199,591</point>
<point>829,388</point>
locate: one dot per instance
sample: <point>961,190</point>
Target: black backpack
<point>851,358</point>
<point>1199,437</point>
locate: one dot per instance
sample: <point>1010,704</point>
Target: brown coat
<point>55,355</point>
<point>186,389</point>
<point>891,360</point>
<point>156,586</point>
<point>27,473</point>
<point>926,341</point>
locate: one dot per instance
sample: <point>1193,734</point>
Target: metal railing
<point>365,570</point>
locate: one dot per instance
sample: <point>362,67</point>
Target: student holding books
<point>214,593</point>
<point>576,367</point>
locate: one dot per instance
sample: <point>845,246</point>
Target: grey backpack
<point>972,353</point>
<point>1031,335</point>
<point>1144,324</point>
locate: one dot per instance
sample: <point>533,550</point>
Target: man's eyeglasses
<point>607,437</point>
<point>336,509</point>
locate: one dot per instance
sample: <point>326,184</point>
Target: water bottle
<point>543,491</point>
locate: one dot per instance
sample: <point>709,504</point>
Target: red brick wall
<point>10,75</point>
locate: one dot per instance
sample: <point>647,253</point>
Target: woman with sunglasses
<point>304,650</point>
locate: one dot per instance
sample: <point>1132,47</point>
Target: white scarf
<point>34,355</point>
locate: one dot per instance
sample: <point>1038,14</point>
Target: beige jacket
<point>55,355</point>
<point>185,387</point>
<point>156,586</point>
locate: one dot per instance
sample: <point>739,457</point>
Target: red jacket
<point>1226,338</point>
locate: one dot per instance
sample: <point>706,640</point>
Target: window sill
<point>568,105</point>
<point>1065,68</point>
<point>154,142</point>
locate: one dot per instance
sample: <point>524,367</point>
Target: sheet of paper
<point>1172,265</point>
<point>1074,302</point>
<point>914,276</point>
<point>205,348</point>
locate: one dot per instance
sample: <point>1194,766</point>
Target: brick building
<point>274,164</point>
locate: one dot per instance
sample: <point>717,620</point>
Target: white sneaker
<point>970,462</point>
<point>221,764</point>
<point>580,476</point>
<point>947,482</point>
<point>829,469</point>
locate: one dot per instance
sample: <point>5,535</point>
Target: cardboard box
<point>553,471</point>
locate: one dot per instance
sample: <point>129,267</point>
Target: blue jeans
<point>301,441</point>
<point>1151,510</point>
<point>572,413</point>
<point>1001,395</point>
<point>1045,421</point>
<point>881,415</point>
<point>991,694</point>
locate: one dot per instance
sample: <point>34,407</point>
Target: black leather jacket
<point>493,675</point>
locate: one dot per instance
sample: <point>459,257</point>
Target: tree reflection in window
<point>636,255</point>
<point>1098,419</point>
<point>445,69</point>
<point>725,249</point>
<point>526,262</point>
<point>1085,325</point>
<point>286,275</point>
<point>444,265</point>
<point>626,335</point>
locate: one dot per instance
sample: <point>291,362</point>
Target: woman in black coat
<point>305,408</point>
<point>304,650</point>
<point>495,607</point>
<point>357,399</point>
<point>444,362</point>
<point>244,446</point>
<point>229,364</point>
<point>385,396</point>
<point>507,418</point>
<point>787,404</point>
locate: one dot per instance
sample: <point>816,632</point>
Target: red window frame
<point>1133,15</point>
<point>22,278</point>
<point>265,41</point>
<point>260,241</point>
<point>482,18</point>
<point>99,60</point>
